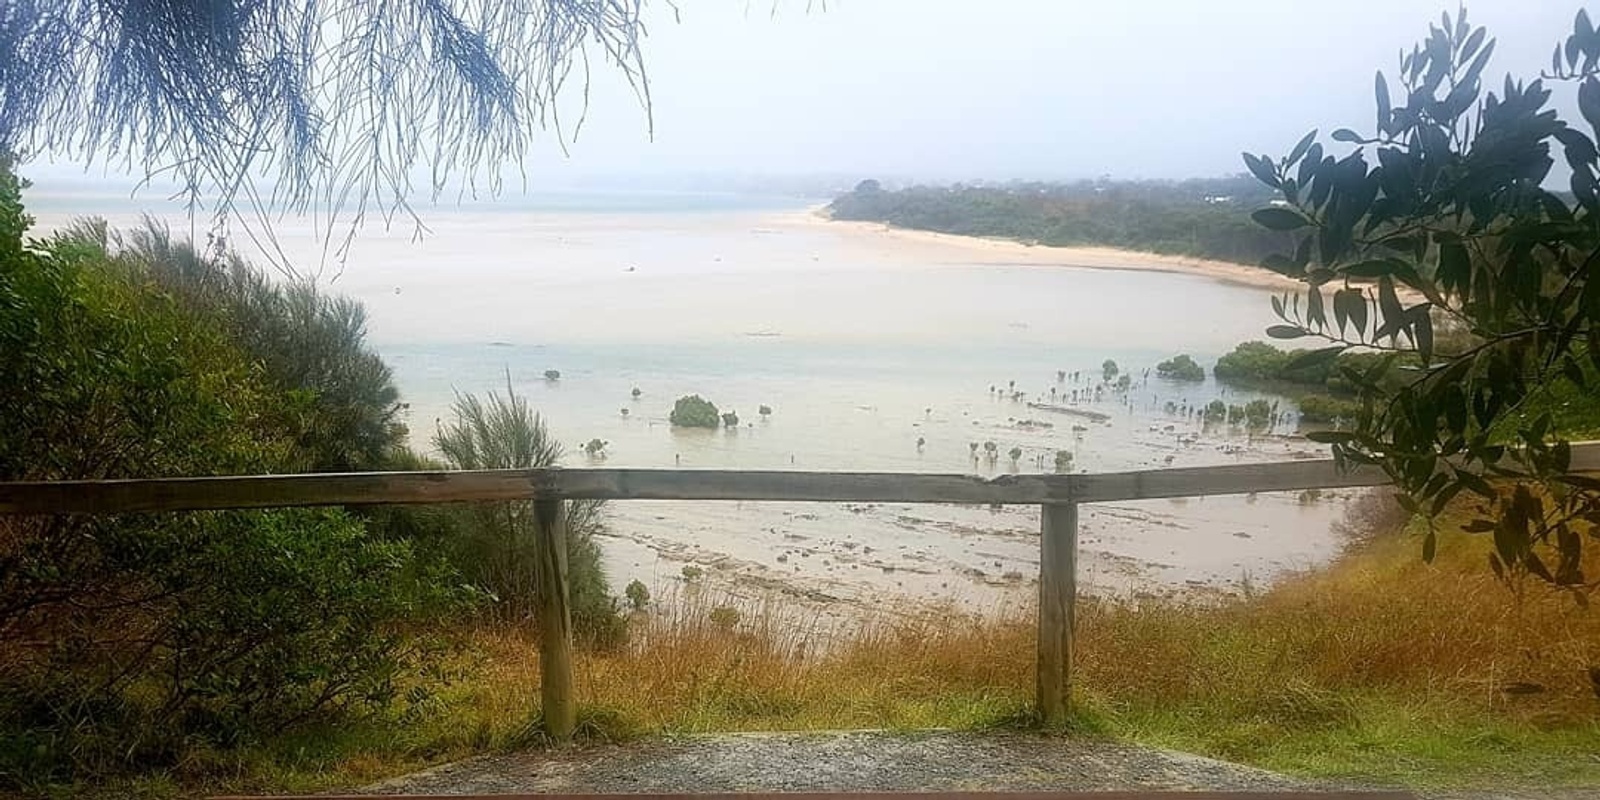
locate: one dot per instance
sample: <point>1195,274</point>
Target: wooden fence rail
<point>376,488</point>
<point>1058,495</point>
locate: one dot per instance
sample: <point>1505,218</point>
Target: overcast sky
<point>963,89</point>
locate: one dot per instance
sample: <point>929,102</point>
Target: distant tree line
<point>1203,218</point>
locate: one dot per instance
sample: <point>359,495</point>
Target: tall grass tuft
<point>495,542</point>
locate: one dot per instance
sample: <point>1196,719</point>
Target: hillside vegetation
<point>129,643</point>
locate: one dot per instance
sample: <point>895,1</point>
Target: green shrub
<point>1216,411</point>
<point>1259,363</point>
<point>216,627</point>
<point>339,403</point>
<point>105,377</point>
<point>694,411</point>
<point>1251,362</point>
<point>1258,413</point>
<point>638,595</point>
<point>1324,409</point>
<point>125,638</point>
<point>1181,368</point>
<point>1108,370</point>
<point>724,617</point>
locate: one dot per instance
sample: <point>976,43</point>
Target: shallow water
<point>862,346</point>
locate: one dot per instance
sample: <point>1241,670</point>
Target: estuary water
<point>872,351</point>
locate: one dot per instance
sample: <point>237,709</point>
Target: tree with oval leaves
<point>1453,228</point>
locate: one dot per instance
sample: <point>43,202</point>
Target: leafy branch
<point>1455,211</point>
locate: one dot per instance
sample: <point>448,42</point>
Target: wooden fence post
<point>555,620</point>
<point>1058,591</point>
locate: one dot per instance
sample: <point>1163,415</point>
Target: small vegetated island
<point>694,411</point>
<point>1181,368</point>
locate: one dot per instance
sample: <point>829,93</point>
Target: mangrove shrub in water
<point>1181,368</point>
<point>1259,413</point>
<point>694,411</point>
<point>1321,408</point>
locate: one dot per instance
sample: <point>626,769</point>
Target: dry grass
<point>1378,667</point>
<point>685,668</point>
<point>1380,619</point>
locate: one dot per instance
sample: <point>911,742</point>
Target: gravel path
<point>846,761</point>
<point>870,761</point>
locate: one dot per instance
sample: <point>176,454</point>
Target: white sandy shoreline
<point>985,250</point>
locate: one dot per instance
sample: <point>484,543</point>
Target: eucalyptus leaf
<point>1301,147</point>
<point>1380,90</point>
<point>1279,219</point>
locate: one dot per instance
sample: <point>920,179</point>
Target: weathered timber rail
<point>970,795</point>
<point>1058,495</point>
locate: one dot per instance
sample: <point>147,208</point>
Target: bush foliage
<point>122,638</point>
<point>1181,368</point>
<point>1320,387</point>
<point>694,411</point>
<point>125,641</point>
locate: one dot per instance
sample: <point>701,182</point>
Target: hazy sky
<point>1024,88</point>
<point>961,89</point>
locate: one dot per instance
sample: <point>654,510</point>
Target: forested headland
<point>1200,218</point>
